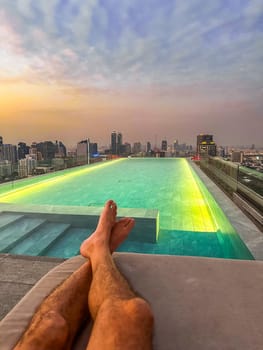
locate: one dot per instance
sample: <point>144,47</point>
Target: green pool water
<point>191,222</point>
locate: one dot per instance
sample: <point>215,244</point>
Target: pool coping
<point>246,229</point>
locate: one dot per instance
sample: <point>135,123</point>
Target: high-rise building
<point>116,143</point>
<point>137,147</point>
<point>47,149</point>
<point>164,145</point>
<point>34,153</point>
<point>22,150</point>
<point>93,149</point>
<point>175,145</point>
<point>221,152</point>
<point>8,152</point>
<point>125,149</point>
<point>205,145</point>
<point>86,150</point>
<point>82,152</point>
<point>148,147</point>
<point>26,166</point>
<point>119,143</point>
<point>61,151</point>
<point>1,149</point>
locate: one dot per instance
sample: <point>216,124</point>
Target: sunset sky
<point>152,69</point>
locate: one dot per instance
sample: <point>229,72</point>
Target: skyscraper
<point>93,149</point>
<point>47,149</point>
<point>205,145</point>
<point>114,142</point>
<point>176,144</point>
<point>22,150</point>
<point>164,145</point>
<point>61,150</point>
<point>8,152</point>
<point>86,150</point>
<point>125,149</point>
<point>119,143</point>
<point>1,148</point>
<point>34,153</point>
<point>26,166</point>
<point>82,152</point>
<point>137,147</point>
<point>148,147</point>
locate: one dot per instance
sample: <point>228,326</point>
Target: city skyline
<point>162,69</point>
<point>155,144</point>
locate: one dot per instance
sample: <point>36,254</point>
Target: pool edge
<point>245,228</point>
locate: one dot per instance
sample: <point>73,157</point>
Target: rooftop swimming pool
<point>191,222</point>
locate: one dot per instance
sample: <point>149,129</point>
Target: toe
<point>109,203</point>
<point>127,223</point>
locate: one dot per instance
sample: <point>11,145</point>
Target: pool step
<point>16,231</point>
<point>40,239</point>
<point>24,234</point>
<point>8,218</point>
<point>72,239</point>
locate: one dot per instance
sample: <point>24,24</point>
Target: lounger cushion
<point>198,303</point>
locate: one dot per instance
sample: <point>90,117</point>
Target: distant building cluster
<point>22,160</point>
<point>245,156</point>
<point>18,161</point>
<point>120,148</point>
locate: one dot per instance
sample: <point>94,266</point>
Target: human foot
<point>100,238</point>
<point>120,231</point>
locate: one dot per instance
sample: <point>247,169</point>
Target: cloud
<point>112,44</point>
<point>24,8</point>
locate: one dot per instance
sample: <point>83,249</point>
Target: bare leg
<point>56,322</point>
<point>122,320</point>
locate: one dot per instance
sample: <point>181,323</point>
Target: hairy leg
<point>56,322</point>
<point>122,320</point>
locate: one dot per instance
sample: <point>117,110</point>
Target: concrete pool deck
<point>18,274</point>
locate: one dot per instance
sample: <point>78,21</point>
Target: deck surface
<point>18,274</point>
